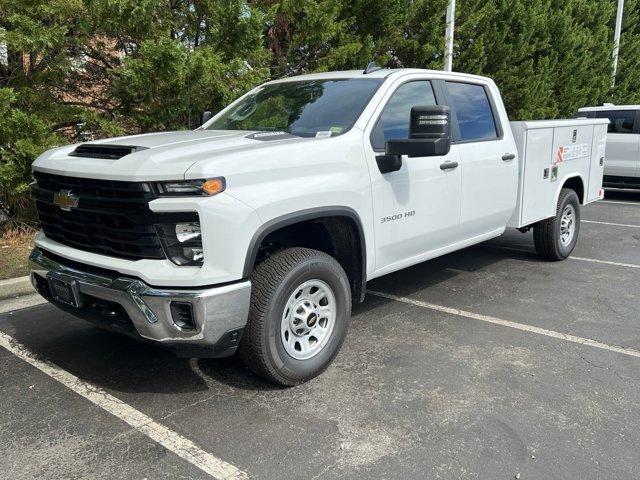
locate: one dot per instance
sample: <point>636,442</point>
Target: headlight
<point>182,242</point>
<point>206,187</point>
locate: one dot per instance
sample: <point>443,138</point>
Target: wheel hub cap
<point>311,321</point>
<point>308,319</point>
<point>567,225</point>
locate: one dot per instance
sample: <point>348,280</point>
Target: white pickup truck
<point>257,230</point>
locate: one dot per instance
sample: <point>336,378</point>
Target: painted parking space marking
<point>581,259</point>
<point>11,305</point>
<point>613,201</point>
<point>605,262</point>
<point>507,323</point>
<point>172,441</point>
<point>612,224</point>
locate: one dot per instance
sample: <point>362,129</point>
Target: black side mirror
<point>205,117</point>
<point>429,133</point>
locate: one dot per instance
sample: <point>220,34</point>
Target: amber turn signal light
<point>213,186</point>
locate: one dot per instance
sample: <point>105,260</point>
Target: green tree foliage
<point>24,136</point>
<point>307,35</point>
<point>163,85</point>
<point>191,56</point>
<point>549,57</point>
<point>33,63</point>
<point>71,69</point>
<point>627,87</point>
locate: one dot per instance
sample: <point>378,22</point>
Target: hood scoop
<point>108,151</point>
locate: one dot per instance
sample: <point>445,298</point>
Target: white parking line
<point>11,305</point>
<point>169,439</point>
<point>605,262</point>
<point>507,323</point>
<point>582,259</point>
<point>612,224</point>
<point>612,201</point>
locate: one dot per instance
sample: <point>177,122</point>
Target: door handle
<point>448,165</point>
<point>508,156</point>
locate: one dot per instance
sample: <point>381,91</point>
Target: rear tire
<point>556,237</point>
<point>298,318</point>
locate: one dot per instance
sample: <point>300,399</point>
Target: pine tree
<point>582,43</point>
<point>181,57</point>
<point>127,66</point>
<point>549,57</point>
<point>627,85</point>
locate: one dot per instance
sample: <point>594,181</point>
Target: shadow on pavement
<point>622,195</point>
<point>428,274</point>
<point>232,372</point>
<point>119,363</point>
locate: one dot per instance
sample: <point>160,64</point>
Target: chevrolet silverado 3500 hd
<point>257,230</point>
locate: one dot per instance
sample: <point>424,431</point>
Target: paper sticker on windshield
<point>336,130</point>
<point>323,134</point>
<point>571,152</point>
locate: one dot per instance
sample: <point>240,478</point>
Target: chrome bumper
<point>218,313</point>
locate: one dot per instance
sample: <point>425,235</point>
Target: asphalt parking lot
<point>485,363</point>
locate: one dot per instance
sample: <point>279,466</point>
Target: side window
<point>620,121</point>
<point>393,122</point>
<point>473,111</point>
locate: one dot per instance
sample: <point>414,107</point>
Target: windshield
<point>320,108</point>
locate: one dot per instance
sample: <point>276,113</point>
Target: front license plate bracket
<point>65,290</point>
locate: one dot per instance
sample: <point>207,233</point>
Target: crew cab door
<point>416,206</point>
<point>622,157</point>
<point>488,157</point>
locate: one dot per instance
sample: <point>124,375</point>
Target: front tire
<point>556,237</point>
<point>298,318</point>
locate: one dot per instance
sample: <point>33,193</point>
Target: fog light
<point>182,242</point>
<point>195,255</point>
<point>186,232</point>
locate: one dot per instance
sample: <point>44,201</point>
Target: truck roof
<point>381,73</point>
<point>609,108</point>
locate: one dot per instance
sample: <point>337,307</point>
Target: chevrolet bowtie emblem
<point>65,200</point>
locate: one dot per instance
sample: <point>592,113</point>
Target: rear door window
<point>620,121</point>
<point>473,111</point>
<point>393,122</point>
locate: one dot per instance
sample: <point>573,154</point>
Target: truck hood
<point>159,156</point>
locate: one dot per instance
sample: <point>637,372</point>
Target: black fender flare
<point>302,216</point>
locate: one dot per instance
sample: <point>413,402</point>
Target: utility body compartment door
<point>598,161</point>
<point>536,188</point>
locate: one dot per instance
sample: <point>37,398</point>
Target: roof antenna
<point>371,67</point>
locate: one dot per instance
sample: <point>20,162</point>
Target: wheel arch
<point>357,271</point>
<point>575,183</point>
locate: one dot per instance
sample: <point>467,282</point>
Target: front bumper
<point>131,306</point>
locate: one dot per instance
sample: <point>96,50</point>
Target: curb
<point>16,287</point>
